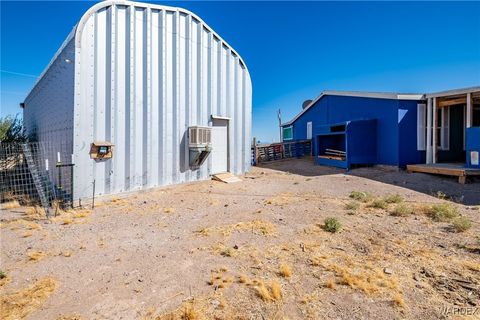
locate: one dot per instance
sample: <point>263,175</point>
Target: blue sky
<point>293,50</point>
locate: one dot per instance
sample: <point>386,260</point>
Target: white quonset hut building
<point>138,76</point>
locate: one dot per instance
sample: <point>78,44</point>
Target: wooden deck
<point>447,169</point>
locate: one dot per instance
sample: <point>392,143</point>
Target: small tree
<point>11,129</point>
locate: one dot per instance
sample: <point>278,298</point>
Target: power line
<point>19,73</point>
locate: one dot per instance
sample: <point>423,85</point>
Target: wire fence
<point>36,173</point>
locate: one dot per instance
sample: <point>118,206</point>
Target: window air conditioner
<point>199,143</point>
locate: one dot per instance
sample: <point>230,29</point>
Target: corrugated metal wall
<point>48,108</point>
<point>144,74</point>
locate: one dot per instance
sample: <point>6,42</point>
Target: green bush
<point>393,198</point>
<point>442,212</point>
<point>332,225</point>
<point>402,210</point>
<point>11,129</point>
<point>379,204</point>
<point>360,196</point>
<point>442,195</point>
<point>2,274</point>
<point>352,205</point>
<point>461,224</point>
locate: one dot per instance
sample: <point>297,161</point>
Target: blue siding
<point>396,138</point>
<point>473,144</point>
<point>407,122</point>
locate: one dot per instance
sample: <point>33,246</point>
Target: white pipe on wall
<point>429,132</point>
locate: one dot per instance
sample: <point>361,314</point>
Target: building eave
<point>453,92</point>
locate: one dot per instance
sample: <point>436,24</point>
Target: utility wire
<point>19,73</point>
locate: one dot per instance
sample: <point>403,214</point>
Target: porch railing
<point>281,150</point>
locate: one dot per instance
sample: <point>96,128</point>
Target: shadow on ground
<point>468,194</point>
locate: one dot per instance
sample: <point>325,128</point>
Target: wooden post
<point>434,132</point>
<point>429,132</point>
<point>254,147</point>
<point>469,110</point>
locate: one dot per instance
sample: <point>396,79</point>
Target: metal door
<point>219,149</point>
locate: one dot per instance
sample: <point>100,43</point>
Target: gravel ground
<point>255,249</point>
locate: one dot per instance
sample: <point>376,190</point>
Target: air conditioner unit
<point>199,137</point>
<point>199,144</point>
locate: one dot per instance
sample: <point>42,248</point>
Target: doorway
<point>219,146</point>
<point>451,131</point>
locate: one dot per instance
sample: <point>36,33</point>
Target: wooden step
<point>226,177</point>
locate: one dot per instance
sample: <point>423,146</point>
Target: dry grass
<point>27,234</point>
<point>461,224</point>
<point>36,255</point>
<point>228,252</point>
<point>11,205</point>
<point>276,290</point>
<point>262,227</point>
<point>190,313</point>
<point>243,279</point>
<point>270,292</point>
<point>393,198</point>
<point>285,270</point>
<point>263,292</point>
<point>283,199</point>
<point>473,266</point>
<point>378,204</point>
<point>66,221</point>
<point>21,223</point>
<point>190,310</point>
<point>118,201</point>
<point>358,275</point>
<point>219,279</point>
<point>82,213</point>
<point>20,304</point>
<point>401,210</point>
<point>4,279</point>
<point>360,196</point>
<point>352,206</point>
<point>168,210</point>
<point>399,301</point>
<point>331,284</point>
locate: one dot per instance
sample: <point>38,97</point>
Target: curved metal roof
<point>78,29</point>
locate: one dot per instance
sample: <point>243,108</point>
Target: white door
<point>309,130</point>
<point>219,149</point>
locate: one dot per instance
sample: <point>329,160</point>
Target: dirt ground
<point>257,249</point>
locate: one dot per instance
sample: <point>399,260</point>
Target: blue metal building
<point>393,120</point>
<point>367,128</point>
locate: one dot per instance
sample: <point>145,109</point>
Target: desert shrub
<point>332,225</point>
<point>442,212</point>
<point>360,196</point>
<point>3,275</point>
<point>442,195</point>
<point>461,224</point>
<point>402,210</point>
<point>352,206</point>
<point>379,204</point>
<point>393,198</point>
<point>11,129</point>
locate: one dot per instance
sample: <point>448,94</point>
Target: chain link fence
<point>36,173</point>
